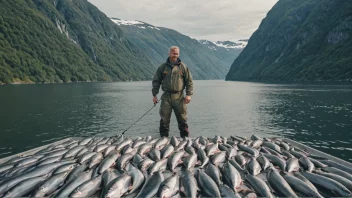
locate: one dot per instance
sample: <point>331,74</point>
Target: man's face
<point>174,54</point>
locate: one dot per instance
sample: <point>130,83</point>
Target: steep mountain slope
<point>299,40</point>
<point>63,41</point>
<point>207,60</point>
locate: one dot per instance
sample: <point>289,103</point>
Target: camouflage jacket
<point>173,78</point>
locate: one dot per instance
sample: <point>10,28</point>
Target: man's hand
<point>155,99</point>
<point>187,99</point>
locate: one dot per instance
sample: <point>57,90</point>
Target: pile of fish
<point>164,167</point>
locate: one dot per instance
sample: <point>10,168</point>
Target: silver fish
<point>174,160</point>
<point>301,187</point>
<point>213,172</point>
<point>207,184</point>
<point>74,183</point>
<point>151,186</point>
<point>24,187</point>
<point>254,167</point>
<point>307,164</point>
<point>169,186</point>
<point>218,158</point>
<point>231,176</point>
<point>108,162</point>
<point>137,178</point>
<point>292,165</point>
<point>118,187</point>
<point>333,186</point>
<point>225,191</point>
<point>259,186</point>
<point>50,185</point>
<point>279,184</point>
<point>188,183</point>
<point>166,151</point>
<point>88,188</point>
<point>203,158</point>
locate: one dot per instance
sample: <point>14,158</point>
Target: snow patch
<point>125,22</point>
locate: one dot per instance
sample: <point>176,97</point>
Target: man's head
<point>174,53</point>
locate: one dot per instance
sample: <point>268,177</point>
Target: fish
<point>174,160</point>
<point>50,185</point>
<point>231,176</point>
<point>254,167</point>
<point>338,172</point>
<point>190,161</point>
<point>225,191</point>
<point>25,187</point>
<point>88,188</point>
<point>169,186</point>
<point>188,184</point>
<point>158,166</point>
<point>118,187</point>
<point>292,165</point>
<point>277,161</point>
<point>218,158</point>
<point>64,168</point>
<point>151,186</point>
<point>145,164</point>
<point>213,172</point>
<point>273,146</point>
<point>249,150</point>
<point>38,171</point>
<point>166,151</point>
<point>123,160</point>
<point>154,154</point>
<point>264,162</point>
<point>212,149</point>
<point>301,187</point>
<point>95,160</point>
<point>327,183</point>
<point>66,190</point>
<point>108,162</point>
<point>85,157</point>
<point>258,185</point>
<point>306,164</point>
<point>279,184</point>
<point>207,184</point>
<point>174,141</point>
<point>347,183</point>
<point>202,156</point>
<point>137,178</point>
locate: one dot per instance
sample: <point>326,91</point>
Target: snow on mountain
<point>240,44</point>
<point>138,24</point>
<point>213,45</point>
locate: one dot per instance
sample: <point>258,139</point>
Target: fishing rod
<point>140,117</point>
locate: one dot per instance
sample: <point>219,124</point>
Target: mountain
<point>299,40</point>
<point>45,41</point>
<point>206,59</point>
<point>225,50</point>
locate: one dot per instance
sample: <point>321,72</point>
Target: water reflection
<point>317,115</point>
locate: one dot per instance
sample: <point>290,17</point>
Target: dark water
<point>317,115</point>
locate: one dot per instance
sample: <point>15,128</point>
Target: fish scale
<point>220,164</point>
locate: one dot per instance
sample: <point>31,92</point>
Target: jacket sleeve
<point>157,81</point>
<point>189,82</point>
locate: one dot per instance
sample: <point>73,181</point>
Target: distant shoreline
<point>340,82</point>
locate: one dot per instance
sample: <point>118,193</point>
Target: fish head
<point>165,192</point>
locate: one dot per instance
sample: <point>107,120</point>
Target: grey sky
<point>201,19</point>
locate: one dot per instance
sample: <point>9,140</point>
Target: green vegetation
<point>299,40</point>
<point>203,62</point>
<point>43,41</point>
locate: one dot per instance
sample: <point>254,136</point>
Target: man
<point>173,76</point>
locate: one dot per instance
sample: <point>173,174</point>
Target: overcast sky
<point>214,20</point>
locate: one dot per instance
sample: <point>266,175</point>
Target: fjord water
<point>317,115</point>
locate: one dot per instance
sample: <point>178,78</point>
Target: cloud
<point>200,19</point>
